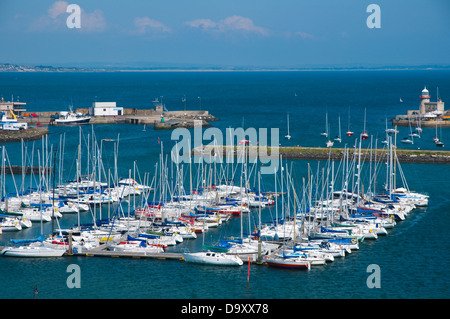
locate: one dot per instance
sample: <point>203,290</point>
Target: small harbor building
<point>105,109</point>
<point>12,107</point>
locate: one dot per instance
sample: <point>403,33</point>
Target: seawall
<point>319,153</point>
<point>30,134</point>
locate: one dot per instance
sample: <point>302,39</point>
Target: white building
<point>105,109</point>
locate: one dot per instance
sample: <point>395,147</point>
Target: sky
<point>226,33</point>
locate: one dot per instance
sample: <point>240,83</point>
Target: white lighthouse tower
<point>424,99</point>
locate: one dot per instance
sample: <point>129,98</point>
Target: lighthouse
<point>424,99</point>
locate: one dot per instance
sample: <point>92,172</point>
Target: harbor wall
<point>30,134</point>
<point>334,154</point>
<point>133,116</point>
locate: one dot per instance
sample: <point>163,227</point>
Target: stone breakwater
<point>30,134</point>
<point>336,154</point>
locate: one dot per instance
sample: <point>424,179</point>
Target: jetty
<point>322,153</point>
<point>30,134</point>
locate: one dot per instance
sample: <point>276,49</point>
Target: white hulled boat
<point>213,258</point>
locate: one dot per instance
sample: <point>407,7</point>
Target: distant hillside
<point>7,67</point>
<point>41,68</point>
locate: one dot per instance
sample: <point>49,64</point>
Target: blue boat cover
<point>26,241</point>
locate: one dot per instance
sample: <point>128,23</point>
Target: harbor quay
<point>161,120</point>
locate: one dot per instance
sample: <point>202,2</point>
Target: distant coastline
<point>7,67</point>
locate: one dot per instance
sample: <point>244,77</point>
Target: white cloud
<point>146,24</point>
<point>304,35</point>
<point>94,21</point>
<point>232,23</point>
<point>59,7</point>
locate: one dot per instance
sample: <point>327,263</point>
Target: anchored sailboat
<point>288,136</point>
<point>364,134</point>
<point>325,133</point>
<point>338,138</point>
<point>349,133</point>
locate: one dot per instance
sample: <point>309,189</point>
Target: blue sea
<point>413,257</point>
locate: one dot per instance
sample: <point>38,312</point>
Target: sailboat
<point>338,138</point>
<point>438,141</point>
<point>401,101</point>
<point>390,130</point>
<point>287,261</point>
<point>415,133</point>
<point>406,140</point>
<point>34,249</point>
<point>288,136</point>
<point>349,133</point>
<point>325,133</point>
<point>213,258</point>
<point>364,134</point>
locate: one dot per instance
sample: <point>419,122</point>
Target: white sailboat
<point>213,258</point>
<point>415,133</point>
<point>438,141</point>
<point>325,133</point>
<point>32,251</point>
<point>364,134</point>
<point>288,136</point>
<point>410,140</point>
<point>390,130</point>
<point>338,138</point>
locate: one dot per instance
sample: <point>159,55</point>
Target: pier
<point>30,134</point>
<point>322,153</point>
<point>158,119</point>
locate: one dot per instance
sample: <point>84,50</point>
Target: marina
<point>325,226</point>
<point>124,202</point>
